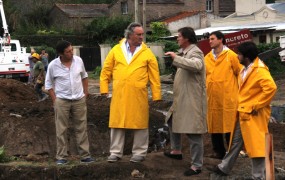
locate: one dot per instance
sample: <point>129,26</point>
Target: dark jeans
<point>38,88</point>
<point>219,144</point>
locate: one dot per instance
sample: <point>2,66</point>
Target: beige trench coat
<point>189,108</point>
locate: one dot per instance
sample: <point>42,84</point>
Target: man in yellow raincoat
<point>130,65</point>
<point>256,90</point>
<point>222,69</point>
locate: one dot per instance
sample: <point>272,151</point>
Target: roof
<point>154,2</point>
<point>163,1</point>
<point>179,16</point>
<point>230,29</point>
<point>279,7</point>
<point>84,10</point>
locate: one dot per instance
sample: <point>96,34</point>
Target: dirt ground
<point>27,132</point>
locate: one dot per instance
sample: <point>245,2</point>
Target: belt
<point>70,100</point>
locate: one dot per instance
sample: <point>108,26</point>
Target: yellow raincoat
<point>222,90</point>
<point>255,93</point>
<point>129,105</point>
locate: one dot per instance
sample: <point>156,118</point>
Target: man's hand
<point>172,54</point>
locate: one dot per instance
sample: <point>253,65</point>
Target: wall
<point>247,7</point>
<point>154,11</point>
<point>76,50</point>
<point>193,21</point>
<point>195,5</point>
<point>57,18</point>
<point>104,49</point>
<point>157,49</point>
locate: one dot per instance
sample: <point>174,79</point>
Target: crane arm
<point>6,35</point>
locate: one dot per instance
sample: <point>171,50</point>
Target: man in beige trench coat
<point>189,107</point>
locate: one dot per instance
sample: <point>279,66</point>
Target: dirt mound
<point>27,131</point>
<point>27,126</point>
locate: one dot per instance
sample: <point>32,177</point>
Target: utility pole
<point>144,19</point>
<point>136,10</point>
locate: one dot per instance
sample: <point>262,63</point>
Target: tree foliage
<point>276,67</point>
<point>108,28</point>
<point>158,30</point>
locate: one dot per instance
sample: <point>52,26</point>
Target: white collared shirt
<point>245,70</point>
<point>215,56</point>
<point>129,54</point>
<point>66,82</point>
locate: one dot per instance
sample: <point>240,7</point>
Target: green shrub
<point>3,157</point>
<point>106,29</point>
<point>50,50</point>
<point>276,67</point>
<point>170,46</point>
<point>158,30</point>
<point>96,72</point>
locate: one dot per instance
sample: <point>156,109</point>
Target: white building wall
<point>247,7</point>
<point>104,49</point>
<point>76,50</point>
<point>193,21</point>
<point>157,49</point>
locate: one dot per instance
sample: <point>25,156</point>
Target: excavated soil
<point>27,132</point>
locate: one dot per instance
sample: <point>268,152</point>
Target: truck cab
<point>14,61</point>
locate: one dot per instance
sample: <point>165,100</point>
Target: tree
<point>108,28</point>
<point>158,30</point>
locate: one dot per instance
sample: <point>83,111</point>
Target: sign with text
<point>232,41</point>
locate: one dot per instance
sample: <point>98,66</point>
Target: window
<point>262,39</point>
<point>13,47</point>
<point>124,7</point>
<point>209,5</point>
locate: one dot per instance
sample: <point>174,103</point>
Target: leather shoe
<point>173,156</point>
<point>191,172</point>
<point>137,159</point>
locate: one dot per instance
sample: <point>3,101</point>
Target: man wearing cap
<point>39,77</point>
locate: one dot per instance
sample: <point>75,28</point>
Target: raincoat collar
<point>225,48</point>
<point>257,63</point>
<point>123,46</point>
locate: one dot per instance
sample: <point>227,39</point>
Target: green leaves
<point>276,67</point>
<point>108,28</point>
<point>3,157</point>
<point>158,30</point>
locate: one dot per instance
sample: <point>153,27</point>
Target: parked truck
<point>14,61</point>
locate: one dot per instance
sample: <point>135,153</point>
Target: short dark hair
<point>61,46</point>
<point>248,50</point>
<point>130,29</point>
<point>219,35</point>
<point>188,33</point>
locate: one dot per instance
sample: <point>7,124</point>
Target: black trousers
<point>219,143</point>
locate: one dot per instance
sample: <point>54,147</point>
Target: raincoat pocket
<point>244,116</point>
